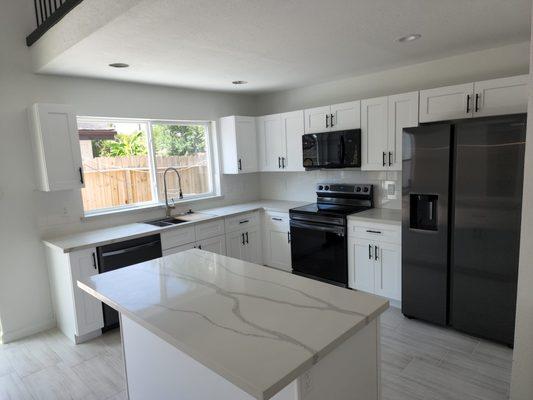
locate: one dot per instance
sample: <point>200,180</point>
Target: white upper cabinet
<point>478,99</point>
<point>374,135</point>
<point>501,96</point>
<point>280,141</point>
<point>271,143</point>
<point>56,147</point>
<point>317,119</point>
<point>382,122</point>
<point>292,128</point>
<point>239,144</point>
<point>402,113</point>
<point>345,116</point>
<point>450,102</point>
<point>336,117</point>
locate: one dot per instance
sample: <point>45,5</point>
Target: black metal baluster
<point>41,11</point>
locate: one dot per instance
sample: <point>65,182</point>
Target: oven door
<point>319,251</point>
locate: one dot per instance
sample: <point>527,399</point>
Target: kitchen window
<point>124,162</point>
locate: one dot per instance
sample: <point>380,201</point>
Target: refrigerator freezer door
<point>426,172</point>
<point>486,232</point>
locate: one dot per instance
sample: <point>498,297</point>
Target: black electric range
<point>319,243</point>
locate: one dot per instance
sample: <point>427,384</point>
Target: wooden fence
<point>116,181</point>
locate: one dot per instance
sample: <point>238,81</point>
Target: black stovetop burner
<point>338,200</point>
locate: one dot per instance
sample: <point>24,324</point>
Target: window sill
<point>146,207</point>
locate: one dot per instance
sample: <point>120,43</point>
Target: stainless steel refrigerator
<point>461,211</point>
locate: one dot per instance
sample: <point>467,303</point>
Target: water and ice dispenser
<point>424,211</point>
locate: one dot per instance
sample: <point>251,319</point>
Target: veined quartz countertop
<point>257,327</point>
<point>100,237</point>
<point>379,215</point>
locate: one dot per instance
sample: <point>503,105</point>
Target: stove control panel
<point>343,188</point>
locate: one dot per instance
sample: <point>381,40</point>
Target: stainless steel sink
<point>165,222</point>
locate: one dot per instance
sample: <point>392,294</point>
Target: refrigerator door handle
<point>430,211</point>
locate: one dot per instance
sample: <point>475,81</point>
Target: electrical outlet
<point>391,189</point>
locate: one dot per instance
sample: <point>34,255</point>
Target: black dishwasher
<point>118,255</point>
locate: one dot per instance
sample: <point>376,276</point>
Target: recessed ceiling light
<point>409,38</point>
<point>239,82</point>
<point>119,65</point>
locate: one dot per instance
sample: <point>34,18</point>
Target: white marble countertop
<point>257,327</point>
<point>379,215</point>
<point>100,237</point>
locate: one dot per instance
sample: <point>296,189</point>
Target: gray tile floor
<point>420,361</point>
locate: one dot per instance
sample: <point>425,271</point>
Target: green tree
<point>123,145</point>
<point>178,140</point>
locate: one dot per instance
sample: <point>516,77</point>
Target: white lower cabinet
<point>215,244</point>
<point>375,263</point>
<point>277,240</point>
<point>245,244</point>
<point>78,315</point>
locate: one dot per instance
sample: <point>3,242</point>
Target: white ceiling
<point>281,44</point>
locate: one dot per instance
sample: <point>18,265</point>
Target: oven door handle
<point>339,230</point>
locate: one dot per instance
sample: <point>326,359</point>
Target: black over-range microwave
<point>341,149</point>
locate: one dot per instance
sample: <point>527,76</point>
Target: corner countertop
<point>101,237</point>
<point>379,215</point>
<point>257,327</point>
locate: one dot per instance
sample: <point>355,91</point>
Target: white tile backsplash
<point>301,185</point>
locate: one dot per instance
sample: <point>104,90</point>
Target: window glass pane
<point>115,164</point>
<point>184,147</point>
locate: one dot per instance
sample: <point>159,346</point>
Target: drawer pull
<point>371,231</point>
<point>277,219</point>
<point>244,221</point>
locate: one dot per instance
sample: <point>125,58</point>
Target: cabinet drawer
<point>276,219</point>
<point>205,230</point>
<point>178,249</point>
<point>177,237</point>
<point>242,221</point>
<point>380,232</point>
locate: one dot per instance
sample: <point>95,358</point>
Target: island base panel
<point>157,370</point>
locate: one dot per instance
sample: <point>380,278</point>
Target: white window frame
<point>212,157</point>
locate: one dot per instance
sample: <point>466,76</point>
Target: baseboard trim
<point>8,337</point>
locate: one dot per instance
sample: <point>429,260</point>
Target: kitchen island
<point>198,325</point>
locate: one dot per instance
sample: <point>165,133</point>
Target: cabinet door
<point>501,96</point>
<point>361,274</point>
<point>89,316</point>
<point>214,245</point>
<point>388,278</point>
<point>178,249</point>
<point>317,119</point>
<point>374,134</point>
<point>235,243</point>
<point>274,143</point>
<point>450,102</point>
<point>292,128</point>
<point>277,248</point>
<point>252,249</point>
<point>402,113</point>
<point>346,116</point>
<point>56,146</point>
<point>246,144</point>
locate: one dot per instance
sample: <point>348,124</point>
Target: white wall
<point>522,376</point>
<point>26,214</point>
<point>487,64</point>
